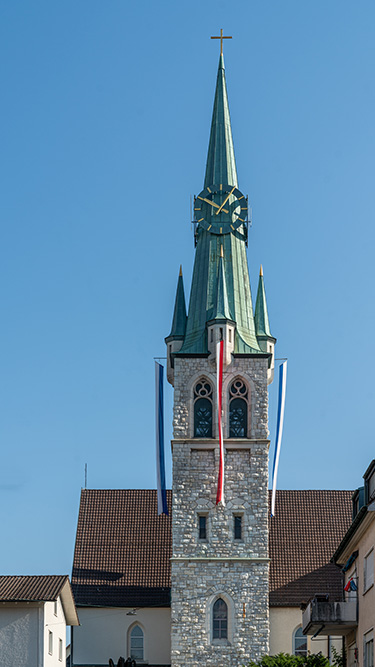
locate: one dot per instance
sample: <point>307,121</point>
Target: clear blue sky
<point>105,116</point>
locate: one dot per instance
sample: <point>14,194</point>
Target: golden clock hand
<point>212,203</point>
<point>225,201</point>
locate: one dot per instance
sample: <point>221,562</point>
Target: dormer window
<point>357,501</point>
<point>369,478</point>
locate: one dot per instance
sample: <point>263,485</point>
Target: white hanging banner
<point>279,430</point>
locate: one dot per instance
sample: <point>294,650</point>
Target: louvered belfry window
<point>238,408</point>
<point>203,409</point>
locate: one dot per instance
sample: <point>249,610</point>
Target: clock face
<point>220,209</point>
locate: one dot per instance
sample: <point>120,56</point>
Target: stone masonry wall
<point>220,566</point>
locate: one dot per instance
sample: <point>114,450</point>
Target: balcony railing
<point>329,618</point>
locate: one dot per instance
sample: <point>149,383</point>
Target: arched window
<point>299,642</point>
<point>238,407</point>
<point>220,620</point>
<point>203,410</point>
<point>137,643</point>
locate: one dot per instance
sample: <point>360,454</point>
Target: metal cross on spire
<point>221,37</point>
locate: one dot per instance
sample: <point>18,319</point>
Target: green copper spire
<point>221,165</point>
<point>262,325</point>
<point>220,277</point>
<point>179,314</point>
<point>221,306</point>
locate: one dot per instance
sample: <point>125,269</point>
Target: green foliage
<point>287,660</point>
<point>339,657</point>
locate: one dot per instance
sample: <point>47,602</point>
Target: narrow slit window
<point>60,650</point>
<point>202,527</point>
<point>238,527</point>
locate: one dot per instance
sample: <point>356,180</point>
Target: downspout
<point>71,646</point>
<point>40,633</point>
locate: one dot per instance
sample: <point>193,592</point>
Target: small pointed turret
<point>176,337</point>
<point>179,314</point>
<point>221,325</point>
<point>262,326</point>
<point>221,165</point>
<point>221,306</point>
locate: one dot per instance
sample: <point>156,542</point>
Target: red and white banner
<point>219,384</point>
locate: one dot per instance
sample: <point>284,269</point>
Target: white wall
<point>56,625</point>
<point>21,635</point>
<point>283,622</point>
<point>103,634</point>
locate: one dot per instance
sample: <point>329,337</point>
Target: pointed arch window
<point>137,641</point>
<point>203,409</point>
<point>220,620</point>
<point>238,409</point>
<point>299,642</point>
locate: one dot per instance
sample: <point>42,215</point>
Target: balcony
<point>329,618</point>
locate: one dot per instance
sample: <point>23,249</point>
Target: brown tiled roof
<point>123,548</point>
<point>31,589</point>
<point>306,530</point>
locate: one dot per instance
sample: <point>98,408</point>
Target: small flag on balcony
<point>160,463</point>
<point>350,586</point>
<point>279,430</point>
<point>219,386</point>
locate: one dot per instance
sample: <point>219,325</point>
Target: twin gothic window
<point>203,410</point>
<point>238,400</point>
<point>238,404</point>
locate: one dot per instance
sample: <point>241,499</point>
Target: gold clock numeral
<point>241,219</point>
<point>201,220</point>
<point>232,226</point>
<point>243,208</point>
<point>221,230</point>
<point>208,228</point>
<point>197,209</point>
<point>241,197</point>
<point>209,190</point>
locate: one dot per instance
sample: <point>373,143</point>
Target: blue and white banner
<point>279,430</point>
<point>160,463</point>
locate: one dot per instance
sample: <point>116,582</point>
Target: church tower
<point>219,605</point>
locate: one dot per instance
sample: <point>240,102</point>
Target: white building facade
<point>32,625</point>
